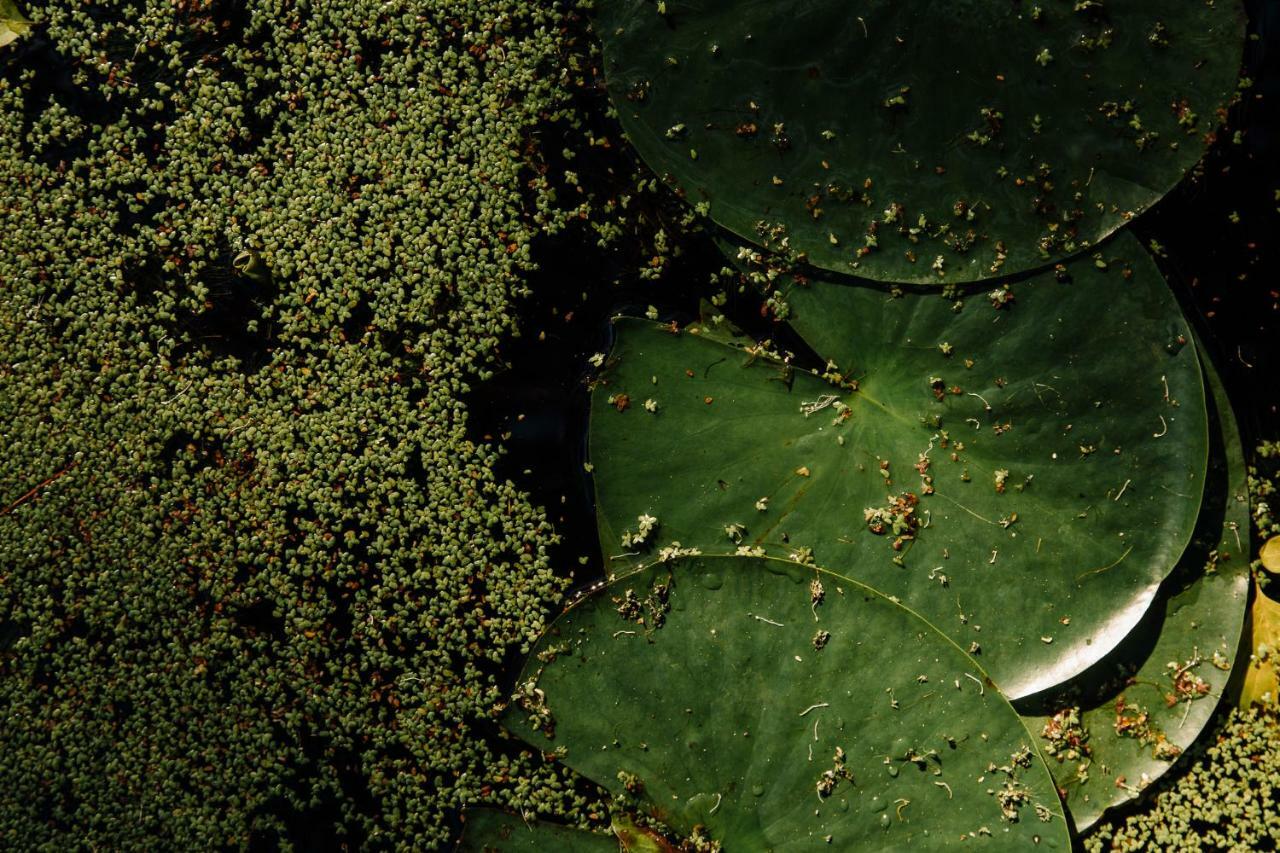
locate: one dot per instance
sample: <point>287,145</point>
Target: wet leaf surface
<point>777,705</point>
<point>921,142</point>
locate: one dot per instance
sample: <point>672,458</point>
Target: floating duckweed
<point>1224,800</point>
<point>268,578</point>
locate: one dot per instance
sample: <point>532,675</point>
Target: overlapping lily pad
<point>780,706</point>
<point>922,141</point>
<point>1124,723</point>
<point>1024,472</point>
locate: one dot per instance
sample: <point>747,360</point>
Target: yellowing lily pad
<point>12,23</point>
<point>1261,682</point>
<point>1270,554</point>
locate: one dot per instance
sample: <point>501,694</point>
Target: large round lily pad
<point>1024,472</point>
<point>1123,724</point>
<point>922,141</point>
<point>784,707</point>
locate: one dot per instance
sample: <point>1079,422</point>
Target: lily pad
<point>1123,724</point>
<point>773,706</point>
<point>1024,472</point>
<point>922,141</point>
<point>488,830</point>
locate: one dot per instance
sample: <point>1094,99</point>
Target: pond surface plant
<point>948,141</point>
<point>265,583</point>
<point>951,434</point>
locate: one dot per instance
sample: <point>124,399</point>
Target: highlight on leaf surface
<point>927,141</point>
<point>1027,489</point>
<point>774,704</point>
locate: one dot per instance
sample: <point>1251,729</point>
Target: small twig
<point>30,494</point>
<point>179,394</point>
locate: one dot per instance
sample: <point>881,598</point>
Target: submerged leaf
<point>731,717</point>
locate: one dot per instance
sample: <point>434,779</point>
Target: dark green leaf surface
<point>967,140</point>
<point>718,710</point>
<point>1104,474</point>
<point>1175,665</point>
<point>496,831</point>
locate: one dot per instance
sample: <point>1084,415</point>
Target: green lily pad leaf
<point>922,142</point>
<point>1024,476</point>
<point>488,830</point>
<point>775,706</point>
<point>13,23</point>
<point>1123,724</point>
